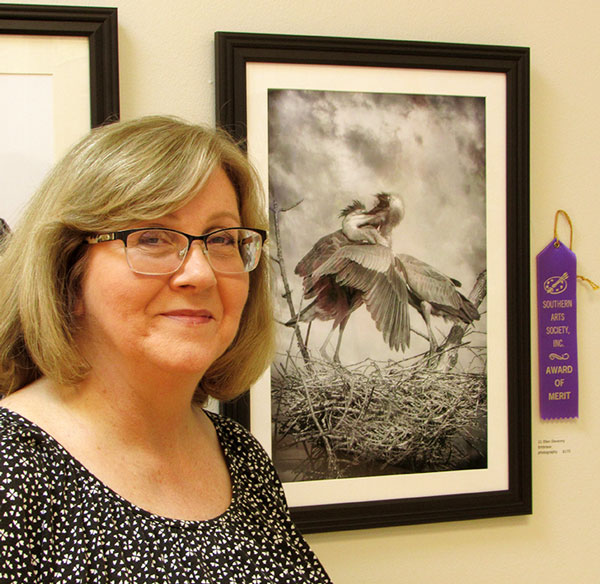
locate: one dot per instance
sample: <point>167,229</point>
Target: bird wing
<point>387,303</point>
<point>374,258</point>
<point>374,271</point>
<point>432,286</point>
<point>320,252</point>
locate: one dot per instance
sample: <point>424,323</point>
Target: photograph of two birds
<point>379,214</point>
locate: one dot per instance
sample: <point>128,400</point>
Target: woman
<point>132,290</point>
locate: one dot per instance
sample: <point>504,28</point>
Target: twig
<point>276,211</point>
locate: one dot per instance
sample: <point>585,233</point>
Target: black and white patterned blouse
<point>59,524</point>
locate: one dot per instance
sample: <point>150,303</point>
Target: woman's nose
<point>195,269</point>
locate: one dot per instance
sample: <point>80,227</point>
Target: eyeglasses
<point>156,252</point>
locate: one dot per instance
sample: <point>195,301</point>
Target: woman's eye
<point>223,239</point>
<point>155,238</point>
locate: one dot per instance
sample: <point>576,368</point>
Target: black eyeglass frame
<point>123,234</point>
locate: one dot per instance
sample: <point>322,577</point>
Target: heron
<point>430,291</point>
<point>354,266</point>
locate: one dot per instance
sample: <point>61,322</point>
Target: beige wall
<point>166,66</point>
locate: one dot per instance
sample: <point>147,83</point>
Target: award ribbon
<point>557,328</point>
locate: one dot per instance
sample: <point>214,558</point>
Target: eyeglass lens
<point>157,251</point>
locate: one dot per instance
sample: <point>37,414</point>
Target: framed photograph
<point>59,77</point>
<point>398,189</point>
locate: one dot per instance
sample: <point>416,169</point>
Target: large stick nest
<point>384,417</point>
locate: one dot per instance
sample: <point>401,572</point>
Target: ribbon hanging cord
<point>557,240</point>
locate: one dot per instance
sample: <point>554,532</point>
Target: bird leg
<point>307,333</point>
<point>324,345</point>
<point>336,355</point>
<point>425,310</point>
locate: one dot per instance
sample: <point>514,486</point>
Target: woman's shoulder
<point>23,446</point>
<point>235,438</point>
<point>16,432</point>
<point>26,478</point>
<point>246,457</point>
<point>263,496</point>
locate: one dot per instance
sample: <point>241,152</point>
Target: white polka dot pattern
<point>60,524</point>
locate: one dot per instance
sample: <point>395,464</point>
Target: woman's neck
<point>152,412</point>
<point>147,414</point>
<point>154,448</point>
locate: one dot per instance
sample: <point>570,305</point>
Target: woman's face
<point>176,323</point>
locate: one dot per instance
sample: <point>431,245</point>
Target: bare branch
<point>276,212</point>
<point>455,336</point>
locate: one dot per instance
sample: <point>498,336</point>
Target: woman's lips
<point>193,317</point>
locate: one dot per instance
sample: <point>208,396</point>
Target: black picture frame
<point>234,52</point>
<point>99,25</point>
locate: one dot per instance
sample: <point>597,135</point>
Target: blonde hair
<point>117,175</point>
